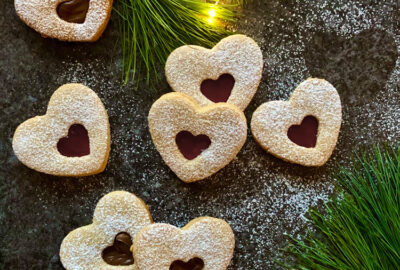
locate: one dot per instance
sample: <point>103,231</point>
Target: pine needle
<point>361,228</point>
<point>151,29</point>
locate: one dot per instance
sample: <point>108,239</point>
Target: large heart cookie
<point>71,139</point>
<point>230,72</point>
<point>68,20</point>
<point>204,243</point>
<point>106,243</point>
<point>196,141</point>
<point>303,130</point>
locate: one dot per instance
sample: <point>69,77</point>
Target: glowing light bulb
<point>212,13</point>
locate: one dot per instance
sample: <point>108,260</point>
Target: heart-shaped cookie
<point>196,141</point>
<point>106,243</point>
<point>71,139</point>
<point>303,130</point>
<point>203,241</point>
<point>230,72</point>
<point>67,20</point>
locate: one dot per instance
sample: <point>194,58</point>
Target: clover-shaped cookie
<point>204,243</point>
<point>106,243</point>
<point>303,130</point>
<point>71,139</point>
<point>196,141</point>
<point>68,20</point>
<point>230,72</point>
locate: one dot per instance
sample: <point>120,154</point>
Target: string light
<point>212,13</point>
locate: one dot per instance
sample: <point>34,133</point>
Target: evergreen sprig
<point>151,29</point>
<point>360,229</point>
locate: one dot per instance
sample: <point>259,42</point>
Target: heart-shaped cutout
<point>162,246</point>
<point>192,264</point>
<point>218,90</point>
<point>191,146</point>
<point>316,105</point>
<point>56,144</point>
<point>71,20</point>
<point>306,133</point>
<point>119,253</point>
<point>220,123</point>
<point>237,59</point>
<point>73,11</point>
<point>106,243</point>
<point>76,144</point>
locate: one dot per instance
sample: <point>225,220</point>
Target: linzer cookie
<point>71,139</point>
<point>230,72</point>
<point>204,243</point>
<point>196,141</point>
<point>106,243</point>
<point>67,20</point>
<point>303,130</point>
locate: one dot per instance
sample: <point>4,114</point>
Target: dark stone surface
<point>352,43</point>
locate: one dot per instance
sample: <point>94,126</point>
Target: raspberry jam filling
<point>76,143</point>
<point>218,90</point>
<point>306,133</point>
<point>191,146</point>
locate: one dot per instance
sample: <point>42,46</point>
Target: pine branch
<point>361,228</point>
<point>151,29</point>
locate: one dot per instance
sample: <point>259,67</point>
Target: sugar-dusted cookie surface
<point>106,243</point>
<point>67,20</point>
<point>71,139</point>
<point>303,130</point>
<point>230,72</point>
<point>206,243</point>
<point>196,141</point>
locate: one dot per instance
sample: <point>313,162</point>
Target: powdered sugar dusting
<point>224,124</point>
<point>271,122</point>
<point>116,212</point>
<point>209,239</point>
<point>237,55</point>
<point>35,140</point>
<point>42,16</point>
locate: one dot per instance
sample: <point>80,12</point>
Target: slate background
<point>353,44</point>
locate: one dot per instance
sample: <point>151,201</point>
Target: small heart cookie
<point>303,130</point>
<point>71,139</point>
<point>230,72</point>
<point>67,20</point>
<point>196,141</point>
<point>106,243</point>
<point>204,243</point>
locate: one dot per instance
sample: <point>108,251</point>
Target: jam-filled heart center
<point>73,11</point>
<point>218,90</point>
<point>306,133</point>
<point>192,264</point>
<point>76,144</point>
<point>191,146</point>
<point>119,253</point>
